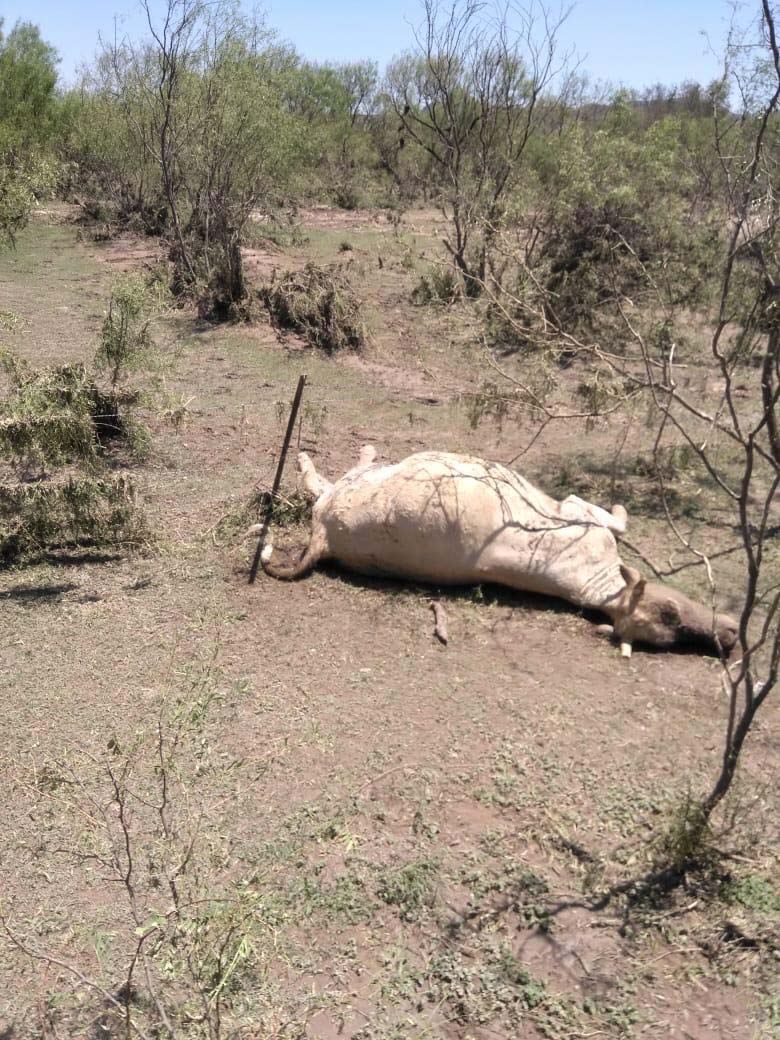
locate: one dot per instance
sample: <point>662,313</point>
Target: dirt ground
<point>430,832</point>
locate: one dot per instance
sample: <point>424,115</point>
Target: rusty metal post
<point>277,479</point>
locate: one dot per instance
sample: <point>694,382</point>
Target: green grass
<point>58,290</point>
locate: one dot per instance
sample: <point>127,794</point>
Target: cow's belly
<point>392,543</point>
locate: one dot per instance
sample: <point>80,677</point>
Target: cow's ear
<point>633,579</point>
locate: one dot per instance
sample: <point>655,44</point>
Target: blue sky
<point>633,42</point>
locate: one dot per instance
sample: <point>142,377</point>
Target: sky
<point>630,42</point>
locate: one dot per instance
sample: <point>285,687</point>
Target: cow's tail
<point>292,570</point>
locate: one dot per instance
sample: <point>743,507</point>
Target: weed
<point>687,842</point>
<point>315,416</point>
<point>10,321</point>
<point>620,1016</point>
<point>477,992</point>
<point>753,892</point>
<point>522,890</point>
<point>412,888</point>
<point>490,401</point>
<point>770,1029</point>
<point>345,246</point>
<point>175,410</point>
<point>319,304</point>
<point>439,284</point>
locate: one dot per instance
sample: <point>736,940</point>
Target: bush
<point>439,284</point>
<point>320,305</point>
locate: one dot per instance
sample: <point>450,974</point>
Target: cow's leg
<point>615,521</point>
<point>366,458</point>
<point>620,514</point>
<point>367,455</point>
<point>314,485</point>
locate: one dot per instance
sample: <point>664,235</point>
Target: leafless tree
<point>472,94</point>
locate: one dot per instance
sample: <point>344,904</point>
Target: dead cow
<point>453,520</point>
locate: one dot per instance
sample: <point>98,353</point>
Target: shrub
<point>439,284</point>
<point>320,305</point>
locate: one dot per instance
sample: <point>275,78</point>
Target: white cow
<point>453,520</point>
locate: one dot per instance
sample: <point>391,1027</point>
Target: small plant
<point>175,410</point>
<point>125,346</point>
<point>412,888</point>
<point>125,340</point>
<point>10,321</point>
<point>687,844</point>
<point>315,416</point>
<point>754,893</point>
<point>320,305</point>
<point>439,284</point>
<point>345,246</point>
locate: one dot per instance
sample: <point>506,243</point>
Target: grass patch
<point>412,889</point>
<point>439,284</point>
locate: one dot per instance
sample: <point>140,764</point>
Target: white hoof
<point>267,553</point>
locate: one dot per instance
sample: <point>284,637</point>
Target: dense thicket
<point>28,105</point>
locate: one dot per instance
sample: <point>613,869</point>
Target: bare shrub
<point>183,943</point>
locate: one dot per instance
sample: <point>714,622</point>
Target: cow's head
<point>664,617</point>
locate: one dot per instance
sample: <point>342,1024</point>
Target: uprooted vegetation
<point>57,432</point>
<point>61,428</point>
<point>68,511</point>
<point>319,304</point>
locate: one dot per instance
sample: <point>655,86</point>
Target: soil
<point>512,777</point>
